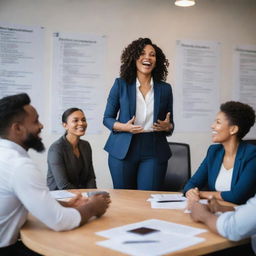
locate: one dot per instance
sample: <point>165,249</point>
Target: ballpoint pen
<point>170,201</point>
<point>140,241</point>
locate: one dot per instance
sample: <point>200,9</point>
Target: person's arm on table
<point>234,225</point>
<point>208,194</point>
<point>193,194</point>
<point>32,192</point>
<point>197,181</point>
<point>201,213</point>
<point>214,206</point>
<point>88,207</point>
<point>95,206</point>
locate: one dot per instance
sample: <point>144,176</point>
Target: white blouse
<point>144,107</point>
<point>223,181</point>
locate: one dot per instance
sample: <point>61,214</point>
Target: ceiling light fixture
<point>184,3</point>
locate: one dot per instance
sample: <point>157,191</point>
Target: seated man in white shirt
<point>235,223</point>
<point>23,187</point>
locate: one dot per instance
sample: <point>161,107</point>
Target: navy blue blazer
<point>121,107</point>
<point>243,183</point>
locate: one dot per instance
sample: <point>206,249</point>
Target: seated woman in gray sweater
<point>70,158</point>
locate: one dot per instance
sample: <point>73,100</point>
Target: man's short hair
<point>11,110</point>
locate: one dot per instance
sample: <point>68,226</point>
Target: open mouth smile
<point>147,63</point>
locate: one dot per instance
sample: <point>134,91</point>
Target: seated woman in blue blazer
<point>229,168</point>
<point>139,114</point>
<point>70,158</point>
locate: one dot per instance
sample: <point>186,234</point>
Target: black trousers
<point>241,250</point>
<point>17,249</point>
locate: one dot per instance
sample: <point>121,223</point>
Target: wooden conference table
<point>128,206</point>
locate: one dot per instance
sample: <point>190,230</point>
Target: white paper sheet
<point>21,69</point>
<point>169,237</point>
<point>169,205</point>
<point>164,226</point>
<point>162,197</point>
<point>78,78</point>
<point>196,90</point>
<point>168,201</point>
<point>244,77</point>
<point>154,244</point>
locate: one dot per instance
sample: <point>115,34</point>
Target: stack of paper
<point>150,237</point>
<point>168,201</point>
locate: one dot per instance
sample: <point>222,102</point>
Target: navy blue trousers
<point>140,169</point>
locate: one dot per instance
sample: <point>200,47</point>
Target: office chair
<point>250,141</point>
<point>179,167</point>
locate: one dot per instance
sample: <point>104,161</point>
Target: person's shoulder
<point>250,148</point>
<point>162,83</point>
<point>59,143</point>
<point>164,86</point>
<point>215,147</point>
<point>84,142</point>
<point>120,81</point>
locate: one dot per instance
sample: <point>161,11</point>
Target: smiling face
<point>147,60</point>
<point>222,131</point>
<point>76,124</point>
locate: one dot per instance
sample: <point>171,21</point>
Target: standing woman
<point>70,158</point>
<point>139,114</point>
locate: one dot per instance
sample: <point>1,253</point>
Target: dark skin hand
<point>76,201</point>
<point>164,125</point>
<point>201,213</point>
<point>95,206</point>
<point>214,206</point>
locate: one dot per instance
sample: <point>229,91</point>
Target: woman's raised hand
<point>163,126</point>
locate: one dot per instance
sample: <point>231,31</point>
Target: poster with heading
<point>196,90</point>
<point>78,78</point>
<point>21,62</point>
<point>244,78</point>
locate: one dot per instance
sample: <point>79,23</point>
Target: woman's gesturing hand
<point>163,126</point>
<point>128,127</point>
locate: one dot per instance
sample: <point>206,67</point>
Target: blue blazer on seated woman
<point>243,183</point>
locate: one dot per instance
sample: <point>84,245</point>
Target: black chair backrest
<point>179,167</point>
<point>251,141</point>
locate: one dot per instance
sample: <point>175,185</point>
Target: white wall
<point>230,22</point>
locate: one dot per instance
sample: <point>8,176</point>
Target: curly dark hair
<point>11,110</point>
<point>239,114</point>
<point>132,52</point>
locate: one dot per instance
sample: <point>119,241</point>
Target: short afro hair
<point>239,114</point>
